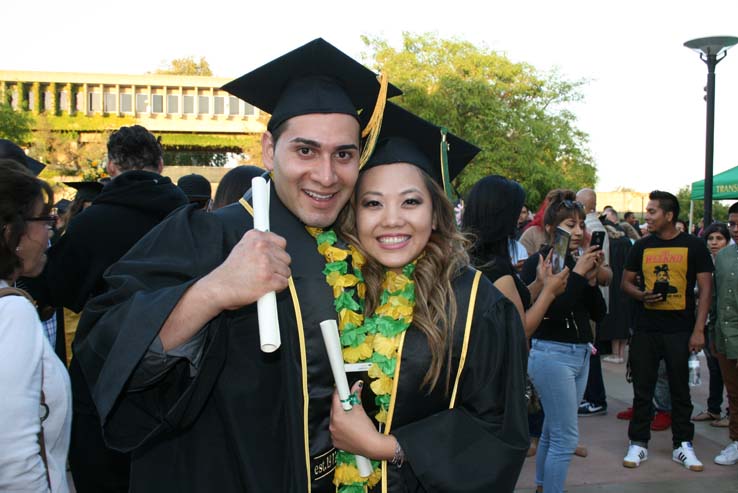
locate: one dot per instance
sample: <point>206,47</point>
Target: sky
<point>643,104</point>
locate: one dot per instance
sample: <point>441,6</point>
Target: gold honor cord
<point>371,131</point>
<point>444,166</point>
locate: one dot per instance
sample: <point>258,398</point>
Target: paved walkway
<point>606,438</point>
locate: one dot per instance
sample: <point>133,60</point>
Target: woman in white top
<point>28,363</point>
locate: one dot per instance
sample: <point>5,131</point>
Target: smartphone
<point>598,239</point>
<point>662,288</point>
<point>560,249</point>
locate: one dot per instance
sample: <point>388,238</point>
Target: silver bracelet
<point>398,459</point>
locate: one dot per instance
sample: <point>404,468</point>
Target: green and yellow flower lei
<point>372,340</point>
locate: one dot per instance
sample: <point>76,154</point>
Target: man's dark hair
<point>733,208</point>
<point>667,203</point>
<point>134,147</point>
<point>628,215</point>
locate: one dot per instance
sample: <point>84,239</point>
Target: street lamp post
<point>712,50</point>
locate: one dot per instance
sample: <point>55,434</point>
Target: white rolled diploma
<point>335,356</point>
<point>266,306</point>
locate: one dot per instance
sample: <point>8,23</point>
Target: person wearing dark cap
<point>86,193</point>
<point>443,405</point>
<point>197,189</point>
<point>171,351</point>
<point>9,150</point>
<point>123,211</point>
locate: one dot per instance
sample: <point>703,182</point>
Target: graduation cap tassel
<point>444,166</point>
<point>371,131</point>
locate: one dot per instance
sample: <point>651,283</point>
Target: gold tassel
<point>371,131</point>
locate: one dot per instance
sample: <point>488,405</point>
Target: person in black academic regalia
<point>171,352</point>
<point>111,219</point>
<point>444,405</point>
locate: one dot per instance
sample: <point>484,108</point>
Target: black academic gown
<point>246,421</point>
<point>474,437</point>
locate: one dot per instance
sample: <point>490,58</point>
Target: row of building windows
<point>143,102</point>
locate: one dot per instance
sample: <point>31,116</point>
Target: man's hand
<point>257,265</point>
<point>697,341</point>
<point>651,297</point>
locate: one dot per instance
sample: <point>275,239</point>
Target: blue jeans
<point>559,372</point>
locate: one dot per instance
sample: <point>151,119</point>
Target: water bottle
<point>694,370</point>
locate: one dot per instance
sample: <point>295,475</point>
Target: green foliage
<point>36,93</point>
<point>719,210</point>
<point>515,114</point>
<point>64,151</point>
<point>79,122</point>
<point>15,125</point>
<point>187,66</point>
<point>208,150</point>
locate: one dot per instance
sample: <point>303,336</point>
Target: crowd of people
<point>471,336</point>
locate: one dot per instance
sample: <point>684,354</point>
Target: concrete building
<point>177,107</point>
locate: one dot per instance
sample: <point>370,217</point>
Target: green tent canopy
<point>724,186</point>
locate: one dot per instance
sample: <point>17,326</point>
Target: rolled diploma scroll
<point>266,306</point>
<point>333,347</point>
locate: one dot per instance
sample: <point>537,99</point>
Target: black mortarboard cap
<point>86,190</point>
<point>9,150</point>
<point>314,78</point>
<point>407,138</point>
<point>196,187</point>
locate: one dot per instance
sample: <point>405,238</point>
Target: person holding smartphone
<point>558,363</point>
<point>669,264</point>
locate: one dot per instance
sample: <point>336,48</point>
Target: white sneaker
<point>685,456</point>
<point>728,456</point>
<point>636,454</point>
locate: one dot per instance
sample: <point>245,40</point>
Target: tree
<point>719,210</point>
<point>515,114</point>
<point>64,153</point>
<point>15,125</point>
<point>187,66</point>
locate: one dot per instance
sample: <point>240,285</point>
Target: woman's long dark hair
<point>19,193</point>
<point>490,216</point>
<point>234,184</point>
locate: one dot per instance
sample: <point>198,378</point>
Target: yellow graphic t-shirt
<point>670,267</point>
<point>667,265</point>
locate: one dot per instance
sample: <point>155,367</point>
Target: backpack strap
<point>8,291</point>
<point>15,292</point>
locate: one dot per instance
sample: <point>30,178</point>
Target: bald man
<point>595,399</point>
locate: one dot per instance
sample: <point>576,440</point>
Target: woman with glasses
<point>558,363</point>
<point>36,409</point>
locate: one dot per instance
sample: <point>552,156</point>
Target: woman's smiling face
<point>394,214</point>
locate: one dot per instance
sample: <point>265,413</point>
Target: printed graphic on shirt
<point>665,270</point>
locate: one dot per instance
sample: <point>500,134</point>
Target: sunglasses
<point>570,204</point>
<point>50,220</point>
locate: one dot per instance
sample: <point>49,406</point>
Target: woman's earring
<point>17,249</point>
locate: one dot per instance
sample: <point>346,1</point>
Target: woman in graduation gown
<point>443,406</point>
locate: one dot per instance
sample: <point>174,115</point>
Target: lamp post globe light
<point>712,50</point>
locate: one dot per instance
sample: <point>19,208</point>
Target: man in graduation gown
<point>171,352</point>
